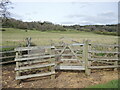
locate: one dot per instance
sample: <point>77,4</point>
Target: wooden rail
<point>28,62</point>
<point>7,57</point>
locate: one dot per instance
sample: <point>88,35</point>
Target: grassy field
<point>17,36</point>
<point>111,84</point>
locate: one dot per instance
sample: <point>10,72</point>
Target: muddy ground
<point>64,79</point>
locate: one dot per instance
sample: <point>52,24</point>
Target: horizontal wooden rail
<point>7,52</point>
<point>36,61</point>
<point>69,60</point>
<point>30,55</point>
<point>7,57</point>
<point>71,55</point>
<point>102,59</point>
<point>67,49</point>
<point>34,75</point>
<point>76,44</point>
<point>61,67</point>
<point>34,66</point>
<point>7,62</point>
<point>102,52</point>
<point>105,45</point>
<point>31,58</point>
<point>101,67</point>
<point>32,48</point>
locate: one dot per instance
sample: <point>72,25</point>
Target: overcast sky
<point>67,13</point>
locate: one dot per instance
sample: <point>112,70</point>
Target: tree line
<point>49,26</point>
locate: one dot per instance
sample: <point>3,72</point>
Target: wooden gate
<point>70,56</point>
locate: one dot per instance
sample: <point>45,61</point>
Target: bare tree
<point>4,7</point>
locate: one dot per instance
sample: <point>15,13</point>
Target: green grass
<point>17,36</point>
<point>111,84</point>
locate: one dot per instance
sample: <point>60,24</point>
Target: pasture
<point>12,37</point>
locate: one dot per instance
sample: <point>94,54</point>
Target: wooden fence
<point>7,54</point>
<point>77,56</point>
<point>34,62</point>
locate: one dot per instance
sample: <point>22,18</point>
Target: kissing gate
<point>43,61</point>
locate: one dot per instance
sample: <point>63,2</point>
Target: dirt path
<point>64,79</point>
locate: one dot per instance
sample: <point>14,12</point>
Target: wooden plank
<point>101,67</point>
<point>76,44</point>
<point>7,52</point>
<point>66,49</point>
<point>107,59</point>
<point>104,62</point>
<point>34,66</point>
<point>30,58</point>
<point>102,52</point>
<point>69,67</point>
<point>34,75</point>
<point>33,48</point>
<point>106,45</point>
<point>7,57</point>
<point>70,60</point>
<point>38,54</point>
<point>7,62</point>
<point>35,61</point>
<point>70,55</point>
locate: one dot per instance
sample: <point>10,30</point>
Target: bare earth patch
<point>66,79</point>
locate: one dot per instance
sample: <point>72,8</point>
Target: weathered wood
<point>114,45</point>
<point>34,75</point>
<point>102,52</point>
<point>7,57</point>
<point>38,57</point>
<point>7,52</point>
<point>34,66</point>
<point>101,67</point>
<point>36,61</point>
<point>85,57</point>
<point>7,62</point>
<point>31,55</point>
<point>70,55</point>
<point>102,59</point>
<point>61,67</point>
<point>17,66</point>
<point>116,62</point>
<point>65,49</point>
<point>69,60</point>
<point>33,48</point>
<point>76,44</point>
<point>53,69</point>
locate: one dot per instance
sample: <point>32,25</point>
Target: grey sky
<point>67,13</point>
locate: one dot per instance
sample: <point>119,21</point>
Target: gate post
<point>85,57</point>
<point>17,66</point>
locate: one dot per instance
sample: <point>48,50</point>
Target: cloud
<point>69,22</point>
<point>75,16</point>
<point>108,17</point>
<point>106,14</point>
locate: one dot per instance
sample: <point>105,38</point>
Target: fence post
<point>17,66</point>
<point>116,62</point>
<point>85,58</point>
